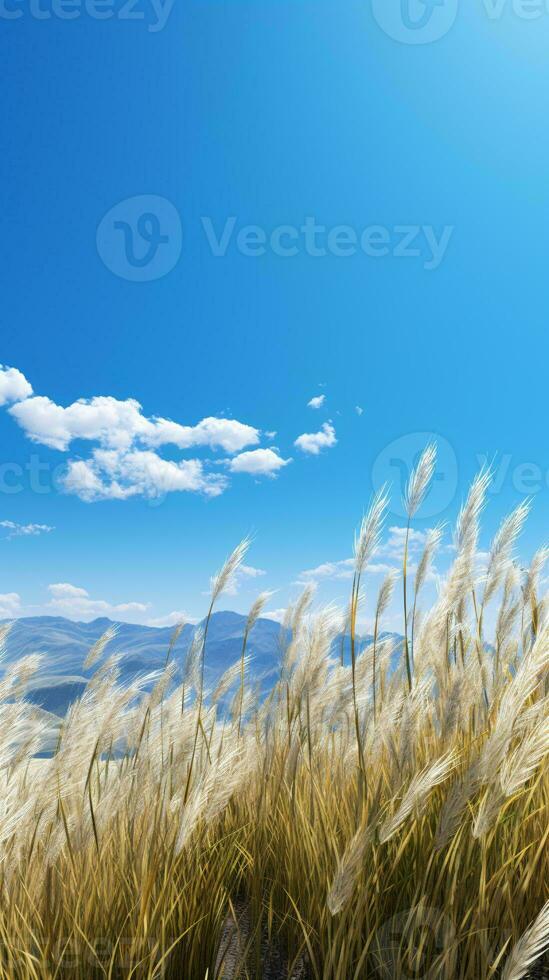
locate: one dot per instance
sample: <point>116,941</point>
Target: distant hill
<point>65,645</point>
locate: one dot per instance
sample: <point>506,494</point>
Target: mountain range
<point>64,646</point>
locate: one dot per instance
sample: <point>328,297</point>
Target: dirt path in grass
<point>236,959</point>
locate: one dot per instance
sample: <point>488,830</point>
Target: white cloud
<point>316,402</point>
<point>118,424</point>
<point>125,460</point>
<point>243,572</point>
<point>276,614</point>
<point>226,434</point>
<point>75,603</point>
<point>359,410</point>
<point>250,572</point>
<point>258,462</point>
<point>25,530</point>
<point>64,590</point>
<point>314,442</point>
<point>13,385</point>
<point>393,548</point>
<point>112,474</point>
<point>330,570</point>
<point>10,605</point>
<point>387,557</point>
<point>172,619</point>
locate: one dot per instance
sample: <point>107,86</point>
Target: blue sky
<point>384,206</point>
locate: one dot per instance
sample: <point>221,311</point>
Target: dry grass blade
<point>529,948</point>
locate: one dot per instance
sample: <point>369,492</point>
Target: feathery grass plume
<point>414,708</point>
<point>380,734</point>
<point>385,594</point>
<point>220,582</point>
<point>521,765</point>
<point>419,481</point>
<point>293,624</point>
<point>368,538</point>
<point>211,793</point>
<point>349,867</point>
<point>530,947</point>
<point>458,585</point>
<point>301,608</point>
<point>467,525</point>
<point>256,609</point>
<point>5,630</point>
<point>191,667</point>
<point>98,648</point>
<point>383,599</point>
<point>223,579</point>
<point>452,707</point>
<point>228,678</point>
<point>488,811</point>
<point>22,671</point>
<point>527,677</point>
<point>243,704</point>
<point>508,612</point>
<point>531,589</point>
<point>417,793</point>
<point>317,640</point>
<point>345,630</point>
<point>501,551</point>
<point>253,616</point>
<point>285,631</point>
<point>522,686</point>
<point>162,681</point>
<point>415,492</point>
<point>176,633</point>
<point>366,542</point>
<point>432,544</point>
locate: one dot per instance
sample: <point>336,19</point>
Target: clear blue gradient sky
<point>267,111</point>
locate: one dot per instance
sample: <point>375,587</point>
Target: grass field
<point>372,822</point>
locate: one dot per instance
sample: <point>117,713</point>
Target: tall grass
<point>405,840</point>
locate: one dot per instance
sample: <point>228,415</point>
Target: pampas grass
<point>381,817</point>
